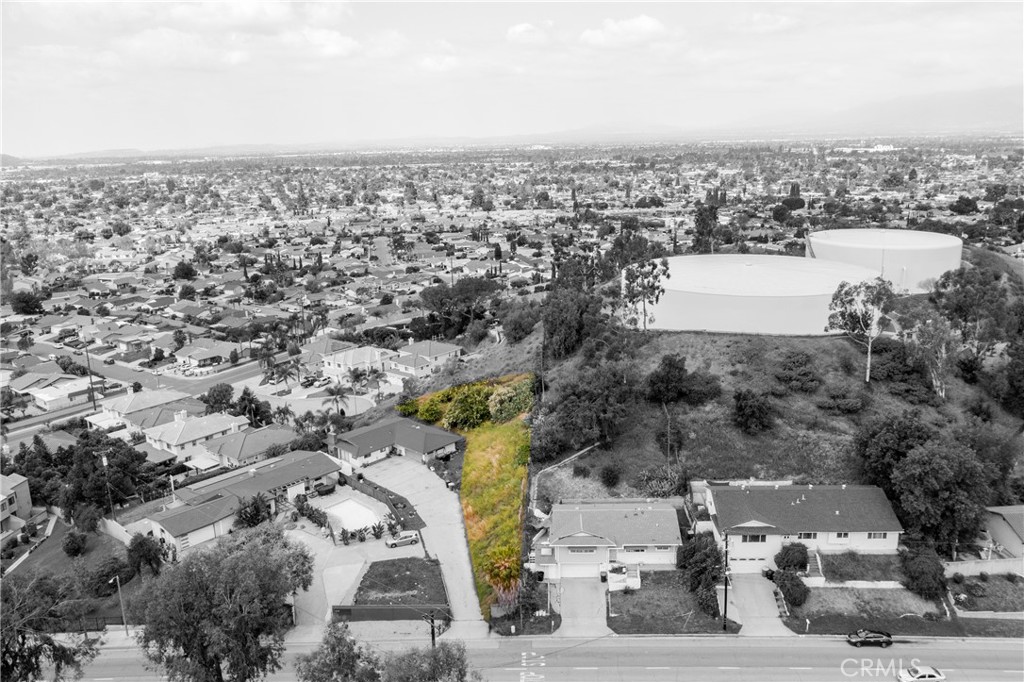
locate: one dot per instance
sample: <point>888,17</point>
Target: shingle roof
<point>250,442</point>
<point>614,523</point>
<point>143,400</point>
<point>429,349</point>
<point>183,520</point>
<point>1014,515</point>
<point>269,474</point>
<point>188,430</point>
<point>406,433</point>
<point>800,508</point>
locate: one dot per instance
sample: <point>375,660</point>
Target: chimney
<point>180,415</point>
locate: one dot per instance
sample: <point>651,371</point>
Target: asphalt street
<point>660,659</point>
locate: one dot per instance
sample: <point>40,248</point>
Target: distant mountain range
<point>993,111</point>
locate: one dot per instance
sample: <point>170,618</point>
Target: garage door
<point>580,570</point>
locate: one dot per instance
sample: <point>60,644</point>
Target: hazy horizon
<point>87,77</point>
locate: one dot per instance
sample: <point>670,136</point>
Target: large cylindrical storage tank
<point>910,260</point>
<point>751,294</point>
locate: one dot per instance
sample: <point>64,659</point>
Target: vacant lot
<point>995,594</point>
<point>408,582</point>
<point>842,609</point>
<point>854,566</point>
<point>662,606</point>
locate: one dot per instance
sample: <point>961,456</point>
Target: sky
<point>84,76</point>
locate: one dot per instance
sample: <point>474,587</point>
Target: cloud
<point>527,34</point>
<point>386,44</point>
<point>327,42</point>
<point>761,23</point>
<point>623,33</point>
<point>438,63</point>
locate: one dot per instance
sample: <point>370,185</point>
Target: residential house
<point>434,355</point>
<point>239,449</point>
<point>1005,526</point>
<point>583,538</point>
<point>206,510</point>
<point>337,365</point>
<point>399,436</point>
<point>315,353</point>
<point>15,504</point>
<point>755,522</point>
<point>177,436</point>
<point>121,410</point>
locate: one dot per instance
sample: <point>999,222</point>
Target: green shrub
<point>73,543</point>
<point>924,573</point>
<point>409,408</point>
<point>431,411</point>
<point>792,587</point>
<point>700,387</point>
<point>469,408</point>
<point>792,557</point>
<point>983,577</point>
<point>1012,578</point>
<point>508,402</point>
<point>797,373</point>
<point>610,476</point>
<point>753,411</point>
<point>31,529</point>
<point>98,581</point>
<point>580,471</point>
<point>702,560</point>
<point>958,578</point>
<point>707,600</point>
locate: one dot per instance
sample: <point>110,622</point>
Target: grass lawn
<point>995,594</point>
<point>838,610</point>
<point>992,627</point>
<point>854,566</point>
<point>408,582</point>
<point>662,606</point>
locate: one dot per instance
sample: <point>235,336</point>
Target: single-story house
<point>755,522</point>
<point>1005,525</point>
<point>399,436</point>
<point>185,431</point>
<point>206,510</point>
<point>241,448</point>
<point>583,538</point>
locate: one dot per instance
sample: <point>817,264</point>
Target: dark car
<point>869,638</point>
<point>108,361</point>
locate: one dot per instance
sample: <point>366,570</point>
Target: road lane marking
<point>584,668</point>
<point>729,667</point>
<point>801,668</point>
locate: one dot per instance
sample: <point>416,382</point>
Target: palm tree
<point>283,414</point>
<point>287,370</point>
<point>357,377</point>
<point>337,396</point>
<point>375,375</point>
<point>247,405</point>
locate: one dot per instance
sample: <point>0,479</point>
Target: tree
<point>187,292</point>
<point>444,663</point>
<point>34,609</point>
<point>705,228</point>
<point>218,398</point>
<point>792,556</point>
<point>73,543</point>
<point>753,411</point>
<point>258,412</point>
<point>964,205</point>
<point>925,574</point>
<point>336,393</point>
<point>87,517</point>
<point>283,414</point>
<point>185,270</point>
<point>233,356</point>
<point>642,284</point>
<point>287,371</point>
<point>25,341</point>
<point>570,316</point>
<point>975,301</point>
<point>26,303</point>
<point>218,615</point>
<point>935,343</point>
<point>29,261</point>
<point>338,658</point>
<point>180,338</point>
<point>941,489</point>
<point>882,443</point>
<point>861,311</point>
<point>136,386</point>
<point>253,511</point>
<point>144,549</point>
<point>665,384</point>
<point>158,354</point>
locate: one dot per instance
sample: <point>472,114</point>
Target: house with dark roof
<point>398,436</point>
<point>583,538</point>
<point>238,449</point>
<point>756,521</point>
<point>206,510</point>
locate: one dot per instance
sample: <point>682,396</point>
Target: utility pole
<point>120,598</point>
<point>433,635</point>
<point>88,367</point>
<point>106,473</point>
<point>725,578</point>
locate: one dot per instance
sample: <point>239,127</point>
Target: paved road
<point>658,659</point>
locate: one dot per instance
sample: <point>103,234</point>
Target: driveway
<point>582,605</point>
<point>753,596</point>
<point>444,536</point>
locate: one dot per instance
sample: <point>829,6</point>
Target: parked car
<point>920,673</point>
<point>307,382</point>
<point>406,537</point>
<point>76,352</point>
<point>324,489</point>
<point>323,381</point>
<point>869,638</point>
<point>108,361</point>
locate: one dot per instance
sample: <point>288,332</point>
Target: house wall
<point>1002,533</point>
<point>750,557</point>
<point>374,456</point>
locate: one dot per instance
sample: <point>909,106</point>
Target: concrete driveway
<point>444,536</point>
<point>754,598</point>
<point>582,605</point>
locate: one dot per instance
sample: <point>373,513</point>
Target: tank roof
<point>888,239</point>
<point>760,276</point>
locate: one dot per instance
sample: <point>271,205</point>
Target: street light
<point>725,579</point>
<point>120,599</point>
<point>106,474</point>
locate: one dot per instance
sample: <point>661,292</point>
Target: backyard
<point>662,606</point>
<point>407,582</point>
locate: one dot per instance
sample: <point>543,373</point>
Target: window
<point>806,536</point>
<point>842,535</point>
<point>634,548</point>
<point>663,548</point>
<point>877,536</point>
<point>582,550</point>
<point>755,538</point>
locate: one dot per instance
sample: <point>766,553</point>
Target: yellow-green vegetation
<point>489,414</point>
